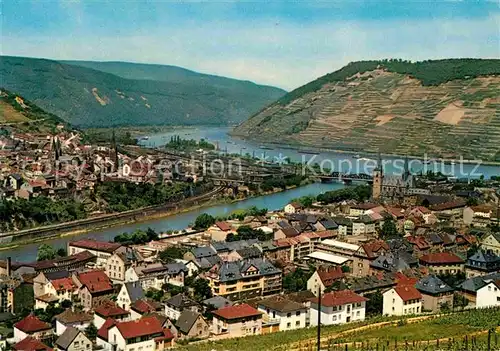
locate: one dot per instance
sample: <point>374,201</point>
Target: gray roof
<point>220,246</point>
<point>67,337</point>
<point>181,301</point>
<point>135,291</point>
<point>176,268</point>
<point>432,285</point>
<point>281,304</point>
<point>186,321</point>
<point>390,262</point>
<point>249,252</point>
<point>486,257</point>
<point>218,302</point>
<point>203,251</point>
<point>229,271</point>
<point>476,283</point>
<point>328,223</point>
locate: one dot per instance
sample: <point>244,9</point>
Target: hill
<point>19,114</point>
<point>88,97</point>
<point>445,108</point>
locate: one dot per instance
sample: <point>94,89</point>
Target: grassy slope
<point>92,98</point>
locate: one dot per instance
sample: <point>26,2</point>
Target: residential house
<point>244,279</point>
<point>216,302</point>
<point>482,263</point>
<point>94,288</point>
<point>101,249</point>
<point>489,294</point>
<point>178,304</point>
<point>73,340</point>
<point>402,300</point>
<point>30,344</point>
<point>237,321</point>
<point>107,310</point>
<point>16,293</point>
<point>219,231</point>
<point>362,209</point>
<point>149,275</point>
<point>129,293</point>
<point>293,207</point>
<point>442,262</point>
<point>479,216</point>
<point>323,278</point>
<point>176,272</point>
<point>393,261</point>
<point>72,318</point>
<point>142,307</point>
<point>119,262</point>
<point>141,334</point>
<point>470,287</point>
<point>192,325</point>
<point>435,293</point>
<point>365,255</point>
<point>491,242</point>
<point>280,314</point>
<point>451,211</point>
<point>32,326</point>
<point>338,307</point>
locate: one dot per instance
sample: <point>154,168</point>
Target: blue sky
<point>280,43</point>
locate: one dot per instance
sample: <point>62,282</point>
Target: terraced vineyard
<point>389,112</point>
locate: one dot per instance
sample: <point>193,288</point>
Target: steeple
<point>407,172</point>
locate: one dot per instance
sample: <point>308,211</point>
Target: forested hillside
<point>88,97</point>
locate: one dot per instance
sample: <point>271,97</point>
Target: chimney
<point>9,267</point>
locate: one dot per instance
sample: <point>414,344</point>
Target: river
<point>336,161</point>
<point>27,253</point>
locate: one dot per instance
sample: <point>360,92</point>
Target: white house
<point>338,307</point>
<point>142,334</point>
<point>129,293</point>
<point>293,207</point>
<point>323,278</point>
<point>32,326</point>
<point>488,295</point>
<point>402,300</point>
<point>284,313</point>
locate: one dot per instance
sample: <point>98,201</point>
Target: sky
<point>274,42</point>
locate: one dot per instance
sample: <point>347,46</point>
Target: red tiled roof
<point>408,292</point>
<point>364,206</point>
<point>338,298</point>
<point>440,258</point>
<point>395,211</point>
<point>80,257</point>
<point>374,247</point>
<point>103,330</point>
<point>96,281</point>
<point>235,312</point>
<point>167,335</point>
<point>91,244</point>
<point>141,327</point>
<point>330,274</point>
<point>295,205</point>
<point>223,226</point>
<point>145,306</point>
<point>110,309</point>
<point>419,242</point>
<point>325,234</point>
<point>63,284</point>
<point>31,324</point>
<point>31,344</point>
<point>422,209</point>
<point>449,205</point>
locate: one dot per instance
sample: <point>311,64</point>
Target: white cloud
<point>281,54</point>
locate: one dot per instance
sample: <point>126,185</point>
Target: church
<point>392,186</point>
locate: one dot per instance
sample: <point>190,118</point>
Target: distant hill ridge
<point>102,94</point>
<point>445,108</point>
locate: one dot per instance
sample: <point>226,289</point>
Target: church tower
<point>377,180</point>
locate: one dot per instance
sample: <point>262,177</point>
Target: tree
<point>203,221</point>
<point>202,290</point>
<point>296,280</point>
<point>61,252</point>
<point>46,252</point>
<point>91,331</point>
<point>374,304</point>
<point>172,253</point>
<point>389,228</point>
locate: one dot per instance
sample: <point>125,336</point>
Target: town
<point>401,247</point>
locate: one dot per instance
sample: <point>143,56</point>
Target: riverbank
<point>27,252</point>
<point>131,219</point>
<point>298,147</point>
